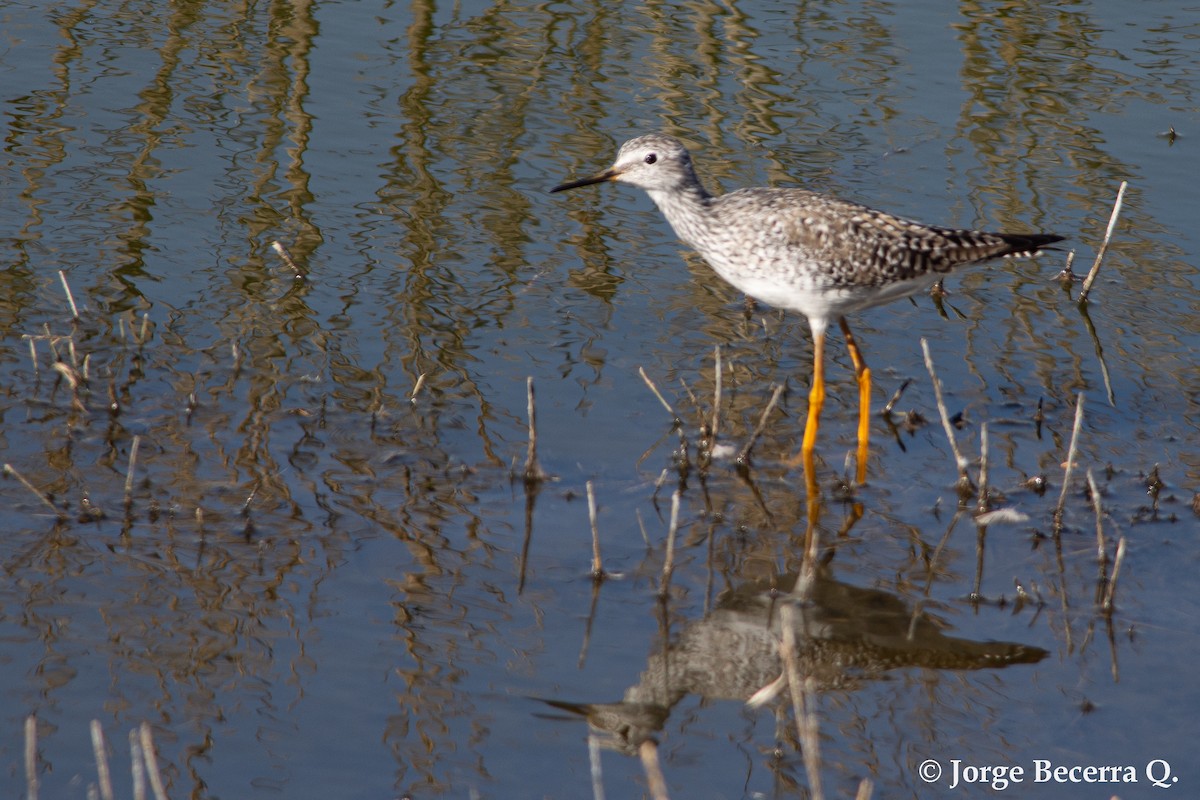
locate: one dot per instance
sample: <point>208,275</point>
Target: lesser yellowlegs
<point>806,252</point>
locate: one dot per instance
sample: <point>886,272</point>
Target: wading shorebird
<point>806,252</point>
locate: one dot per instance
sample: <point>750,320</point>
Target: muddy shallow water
<point>276,510</point>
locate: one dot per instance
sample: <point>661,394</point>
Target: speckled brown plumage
<point>805,251</point>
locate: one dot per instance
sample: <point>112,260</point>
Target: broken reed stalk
<point>31,775</point>
<point>891,404</point>
<point>533,470</point>
<point>412,398</point>
<point>801,689</point>
<point>1101,555</point>
<point>597,771</point>
<point>1112,222</point>
<point>1070,465</point>
<point>865,787</point>
<point>744,454</point>
<point>669,558</point>
<point>137,766</point>
<point>62,276</point>
<point>983,467</point>
<point>33,357</point>
<point>101,753</point>
<point>133,454</point>
<point>959,460</point>
<point>648,751</point>
<point>286,257</point>
<point>156,781</point>
<point>716,411</point>
<point>1107,604</point>
<point>9,469</point>
<point>658,394</point>
<point>597,565</point>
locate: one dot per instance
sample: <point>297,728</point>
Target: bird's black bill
<point>607,175</point>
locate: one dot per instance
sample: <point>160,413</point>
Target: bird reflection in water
<point>844,635</point>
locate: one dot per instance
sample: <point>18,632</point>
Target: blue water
<point>325,585</point>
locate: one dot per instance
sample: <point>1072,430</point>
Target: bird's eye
<point>651,158</point>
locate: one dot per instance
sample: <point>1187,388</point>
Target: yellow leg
<point>816,400</point>
<point>862,374</point>
<point>816,396</point>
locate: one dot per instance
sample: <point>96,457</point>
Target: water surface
<point>326,577</point>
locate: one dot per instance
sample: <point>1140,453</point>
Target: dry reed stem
<point>1066,276</point>
<point>669,559</point>
<point>744,454</point>
<point>891,404</point>
<point>156,781</point>
<point>637,512</point>
<point>133,454</point>
<point>1101,555</point>
<point>1112,222</point>
<point>68,374</point>
<point>1107,604</point>
<point>9,469</point>
<point>983,467</point>
<point>31,775</point>
<point>802,702</point>
<point>658,394</point>
<point>62,276</point>
<point>101,753</point>
<point>286,257</point>
<point>33,356</point>
<point>594,761</point>
<point>959,460</point>
<point>597,565</point>
<point>1070,465</point>
<point>412,398</point>
<point>714,426</point>
<point>51,340</point>
<point>865,787</point>
<point>533,470</point>
<point>137,767</point>
<point>648,751</point>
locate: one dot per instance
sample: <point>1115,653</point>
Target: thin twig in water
<point>412,398</point>
<point>597,565</point>
<point>744,455</point>
<point>1112,222</point>
<point>133,454</point>
<point>1070,465</point>
<point>803,702</point>
<point>642,527</point>
<point>1067,276</point>
<point>33,357</point>
<point>62,276</point>
<point>648,751</point>
<point>959,460</point>
<point>286,257</point>
<point>31,774</point>
<point>533,470</point>
<point>9,469</point>
<point>658,394</point>
<point>1107,605</point>
<point>714,426</point>
<point>101,753</point>
<point>891,404</point>
<point>1101,555</point>
<point>156,781</point>
<point>597,772</point>
<point>669,559</point>
<point>983,468</point>
<point>137,766</point>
